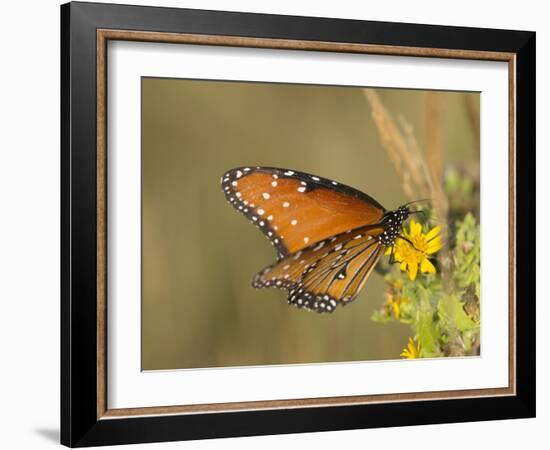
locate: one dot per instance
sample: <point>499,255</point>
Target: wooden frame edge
<point>512,199</point>
<point>101,219</point>
<point>302,403</point>
<point>103,35</point>
<point>282,44</point>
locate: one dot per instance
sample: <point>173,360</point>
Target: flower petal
<point>412,351</point>
<point>426,266</point>
<point>433,241</point>
<point>413,270</point>
<point>433,233</point>
<point>403,266</point>
<point>401,245</point>
<point>416,228</point>
<point>396,310</point>
<point>434,246</point>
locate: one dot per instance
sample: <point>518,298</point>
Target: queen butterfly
<point>328,236</point>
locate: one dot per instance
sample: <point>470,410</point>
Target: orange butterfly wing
<point>295,209</point>
<point>328,273</point>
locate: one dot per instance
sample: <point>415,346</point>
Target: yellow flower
<point>397,284</point>
<point>411,258</point>
<point>412,351</point>
<point>393,304</point>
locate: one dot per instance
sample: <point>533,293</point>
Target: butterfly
<point>328,236</point>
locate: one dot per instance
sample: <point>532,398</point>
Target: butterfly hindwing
<point>295,209</point>
<point>328,273</point>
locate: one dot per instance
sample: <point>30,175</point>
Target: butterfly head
<point>403,212</point>
<point>393,222</point>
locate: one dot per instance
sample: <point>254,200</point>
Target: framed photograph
<point>276,224</point>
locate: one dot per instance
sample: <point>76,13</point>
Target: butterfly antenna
<point>418,201</point>
<point>420,211</point>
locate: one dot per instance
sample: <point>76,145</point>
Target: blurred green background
<point>199,255</point>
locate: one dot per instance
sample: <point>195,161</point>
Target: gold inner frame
<point>103,36</point>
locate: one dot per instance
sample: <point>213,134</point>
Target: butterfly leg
<point>392,256</point>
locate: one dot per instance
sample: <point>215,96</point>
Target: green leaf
<point>427,334</point>
<point>467,253</point>
<point>427,329</point>
<point>408,311</point>
<point>380,317</point>
<point>452,315</point>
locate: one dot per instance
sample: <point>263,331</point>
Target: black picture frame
<point>80,425</point>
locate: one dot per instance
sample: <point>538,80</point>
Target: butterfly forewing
<point>295,209</point>
<point>328,273</point>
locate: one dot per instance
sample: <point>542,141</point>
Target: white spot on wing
<point>239,174</point>
<point>306,240</point>
<point>266,195</point>
<point>293,222</point>
<point>286,205</point>
<point>319,246</point>
<point>301,189</point>
<point>289,173</point>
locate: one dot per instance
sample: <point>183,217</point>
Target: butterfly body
<point>393,221</point>
<point>328,236</point>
